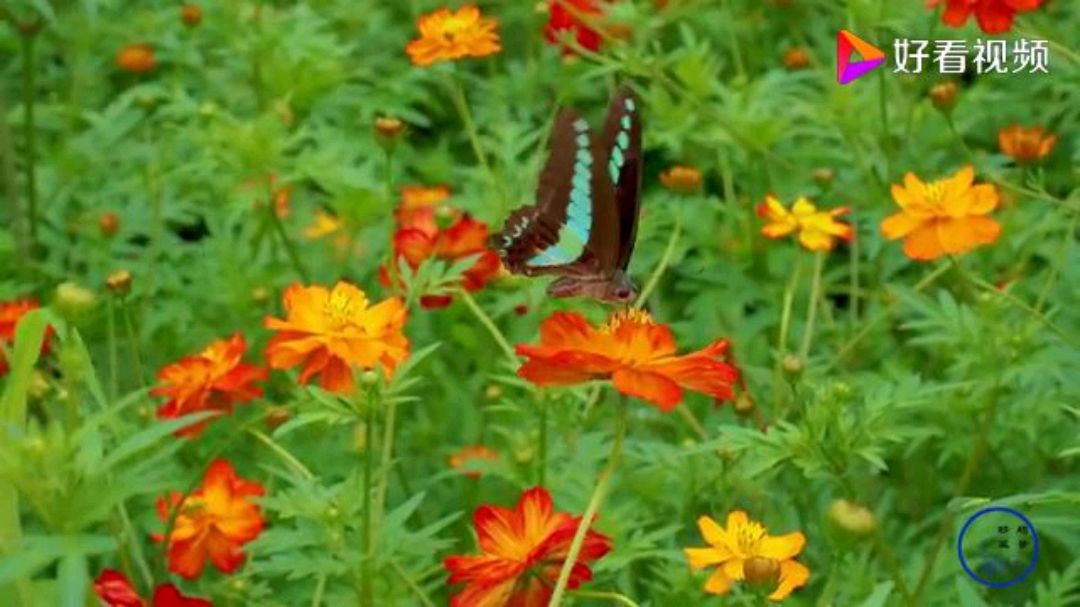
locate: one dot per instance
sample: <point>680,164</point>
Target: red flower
<point>213,380</point>
<point>575,17</point>
<point>115,590</point>
<point>635,352</point>
<point>419,237</point>
<point>214,522</point>
<point>11,312</point>
<point>523,550</point>
<point>993,16</point>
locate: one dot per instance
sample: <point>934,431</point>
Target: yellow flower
<point>323,225</point>
<point>943,217</point>
<point>745,542</point>
<point>817,230</point>
<point>448,36</point>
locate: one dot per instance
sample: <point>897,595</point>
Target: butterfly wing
<point>622,153</point>
<point>574,214</point>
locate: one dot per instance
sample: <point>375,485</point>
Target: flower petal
<point>649,386</point>
<point>718,583</point>
<point>793,574</point>
<point>781,547</point>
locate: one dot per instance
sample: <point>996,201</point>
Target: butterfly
<point>583,223</point>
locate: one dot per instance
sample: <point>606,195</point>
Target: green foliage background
<point>926,392</point>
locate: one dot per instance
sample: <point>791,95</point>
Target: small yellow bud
<point>851,517</point>
<point>792,365</point>
<point>73,301</point>
<point>823,176</point>
<point>943,96</point>
<point>119,283</point>
<point>744,405</point>
<point>493,392</point>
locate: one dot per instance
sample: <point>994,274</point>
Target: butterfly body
<point>582,225</point>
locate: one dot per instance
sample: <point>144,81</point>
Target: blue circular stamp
<point>998,547</point>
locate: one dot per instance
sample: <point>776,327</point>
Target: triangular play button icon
<point>848,70</point>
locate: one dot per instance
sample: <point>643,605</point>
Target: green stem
<point>392,265</point>
<point>886,553</point>
<point>286,241</point>
<point>815,296</point>
<point>542,442</point>
<point>133,342</point>
<point>367,597</point>
<point>457,97</point>
<point>853,284</point>
<point>417,590</point>
<point>30,135</point>
<point>597,499</point>
<point>283,453</point>
<point>135,546</point>
<point>665,260</point>
<point>959,137</point>
<point>113,348</point>
<point>320,588</point>
<point>8,179</point>
<point>972,464</point>
<point>386,461</point>
<point>785,315</point>
<point>489,324</point>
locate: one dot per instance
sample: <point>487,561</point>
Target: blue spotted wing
<point>622,145</point>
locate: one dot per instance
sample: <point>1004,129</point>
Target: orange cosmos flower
<point>418,204</point>
<point>212,380</point>
<point>463,457</point>
<point>681,179</point>
<point>115,590</point>
<point>576,18</point>
<point>943,217</point>
<point>1025,145</point>
<point>817,230</point>
<point>523,550</point>
<point>136,58</point>
<point>796,59</point>
<point>635,352</point>
<point>214,522</point>
<point>743,550</point>
<point>191,15</point>
<point>446,35</point>
<point>11,312</point>
<point>331,331</point>
<point>993,16</point>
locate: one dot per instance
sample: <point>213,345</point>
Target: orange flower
<point>523,550</point>
<point>944,217</point>
<point>214,522</point>
<point>681,179</point>
<point>418,204</point>
<point>191,14</point>
<point>115,590</point>
<point>280,196</point>
<point>1025,145</point>
<point>796,59</point>
<point>423,240</point>
<point>745,551</point>
<point>472,453</point>
<point>11,312</point>
<point>136,58</point>
<point>446,35</point>
<point>631,349</point>
<point>817,230</point>
<point>994,16</point>
<point>331,331</point>
<point>212,380</point>
<point>575,17</point>
<point>323,225</point>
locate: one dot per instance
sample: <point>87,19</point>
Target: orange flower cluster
<point>214,522</point>
<point>11,312</point>
<point>446,35</point>
<point>115,590</point>
<point>744,551</point>
<point>817,230</point>
<point>943,217</point>
<point>574,18</point>
<point>993,16</point>
<point>420,236</point>
<point>632,350</point>
<point>1025,145</point>
<point>330,331</point>
<point>212,380</point>
<point>522,551</point>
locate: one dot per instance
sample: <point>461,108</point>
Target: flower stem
<point>392,265</point>
<point>665,260</point>
<point>972,464</point>
<point>489,324</point>
<point>457,97</point>
<point>283,453</point>
<point>133,342</point>
<point>290,247</point>
<point>811,314</point>
<point>114,350</point>
<point>542,441</point>
<point>785,315</point>
<point>597,499</point>
<point>386,461</point>
<point>30,136</point>
<point>614,597</point>
<point>367,598</point>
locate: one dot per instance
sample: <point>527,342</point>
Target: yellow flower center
<point>339,309</point>
<point>935,191</point>
<point>747,537</point>
<point>629,315</point>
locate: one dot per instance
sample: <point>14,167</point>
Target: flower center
<point>630,315</point>
<point>748,536</point>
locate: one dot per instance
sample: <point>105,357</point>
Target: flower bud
<point>369,378</point>
<point>792,365</point>
<point>796,59</point>
<point>823,176</point>
<point>260,295</point>
<point>191,15</point>
<point>136,58</point>
<point>760,570</point>
<point>943,96</point>
<point>493,392</point>
<point>74,302</point>
<point>388,130</point>
<point>109,224</point>
<point>851,518</point>
<point>445,216</point>
<point>744,405</point>
<point>682,179</point>
<point>119,283</point>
